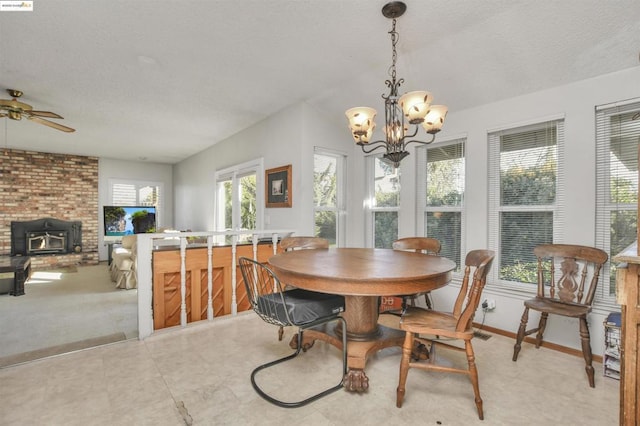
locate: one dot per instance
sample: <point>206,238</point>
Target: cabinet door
<point>167,298</point>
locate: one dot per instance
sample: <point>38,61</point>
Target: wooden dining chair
<point>457,325</point>
<point>424,245</point>
<point>296,307</point>
<point>567,281</point>
<point>300,243</point>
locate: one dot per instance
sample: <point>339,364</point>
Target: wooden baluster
<point>210,277</point>
<point>254,240</point>
<point>234,262</point>
<point>183,281</point>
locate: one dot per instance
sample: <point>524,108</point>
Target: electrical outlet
<point>488,305</point>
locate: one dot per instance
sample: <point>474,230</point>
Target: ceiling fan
<point>15,110</point>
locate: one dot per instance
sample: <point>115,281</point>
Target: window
<point>137,193</point>
<point>384,202</point>
<point>440,196</point>
<point>525,198</point>
<point>617,135</point>
<point>239,197</point>
<point>328,196</point>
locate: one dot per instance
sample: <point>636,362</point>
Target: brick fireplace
<point>36,186</point>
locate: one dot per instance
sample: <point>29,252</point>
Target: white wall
<point>577,103</point>
<point>133,170</point>
<point>289,137</point>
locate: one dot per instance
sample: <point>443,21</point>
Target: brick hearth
<point>35,185</point>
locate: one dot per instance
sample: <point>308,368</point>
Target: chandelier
<point>403,115</point>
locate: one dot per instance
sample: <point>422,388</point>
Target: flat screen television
<point>127,220</point>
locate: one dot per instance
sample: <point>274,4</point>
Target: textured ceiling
<point>163,80</point>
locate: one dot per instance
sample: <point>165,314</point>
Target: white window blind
<point>617,136</point>
<point>440,196</point>
<point>137,193</point>
<point>525,198</point>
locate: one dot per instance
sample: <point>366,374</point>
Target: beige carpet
<point>64,310</point>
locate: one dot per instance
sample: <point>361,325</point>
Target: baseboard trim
<point>11,360</point>
<point>548,345</point>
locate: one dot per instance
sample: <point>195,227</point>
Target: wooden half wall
<point>167,277</point>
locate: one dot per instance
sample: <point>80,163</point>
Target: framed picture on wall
<point>278,187</point>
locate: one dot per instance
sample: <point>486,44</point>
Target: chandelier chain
<point>394,54</point>
<point>392,84</point>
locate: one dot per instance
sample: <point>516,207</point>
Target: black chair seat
<point>302,306</point>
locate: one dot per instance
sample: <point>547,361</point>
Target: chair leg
<point>586,350</point>
<point>403,307</point>
<point>319,395</point>
<point>473,375</point>
<point>428,301</point>
<point>521,330</point>
<point>404,367</point>
<point>541,327</point>
<point>280,333</point>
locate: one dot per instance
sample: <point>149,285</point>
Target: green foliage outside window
<point>247,203</point>
<point>529,179</point>
<point>325,194</point>
<point>386,229</point>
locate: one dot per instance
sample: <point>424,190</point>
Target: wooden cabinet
<point>628,295</point>
<point>167,277</point>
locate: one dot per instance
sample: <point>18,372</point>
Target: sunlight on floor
<point>40,277</point>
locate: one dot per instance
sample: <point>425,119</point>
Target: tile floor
<point>200,376</point>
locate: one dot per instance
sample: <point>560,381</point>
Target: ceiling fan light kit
<point>16,110</point>
<point>403,114</point>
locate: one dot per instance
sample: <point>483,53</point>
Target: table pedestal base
<point>357,351</point>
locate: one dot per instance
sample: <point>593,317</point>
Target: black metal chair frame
<point>250,273</point>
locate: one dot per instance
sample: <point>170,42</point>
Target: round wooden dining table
<point>361,275</point>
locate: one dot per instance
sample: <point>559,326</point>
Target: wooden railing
<point>146,243</point>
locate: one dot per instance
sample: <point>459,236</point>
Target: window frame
<point>604,205</point>
<point>138,184</point>
<point>234,174</point>
<point>340,209</point>
<point>422,208</point>
<point>495,209</point>
<point>370,208</point>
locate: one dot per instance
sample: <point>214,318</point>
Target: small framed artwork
<point>278,187</point>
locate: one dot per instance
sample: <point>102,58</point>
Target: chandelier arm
<point>433,138</point>
<point>415,132</point>
<point>373,145</point>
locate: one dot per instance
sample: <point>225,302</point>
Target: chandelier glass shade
<point>404,115</point>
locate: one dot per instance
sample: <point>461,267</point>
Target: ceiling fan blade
<point>47,114</point>
<point>52,124</point>
<point>3,114</point>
